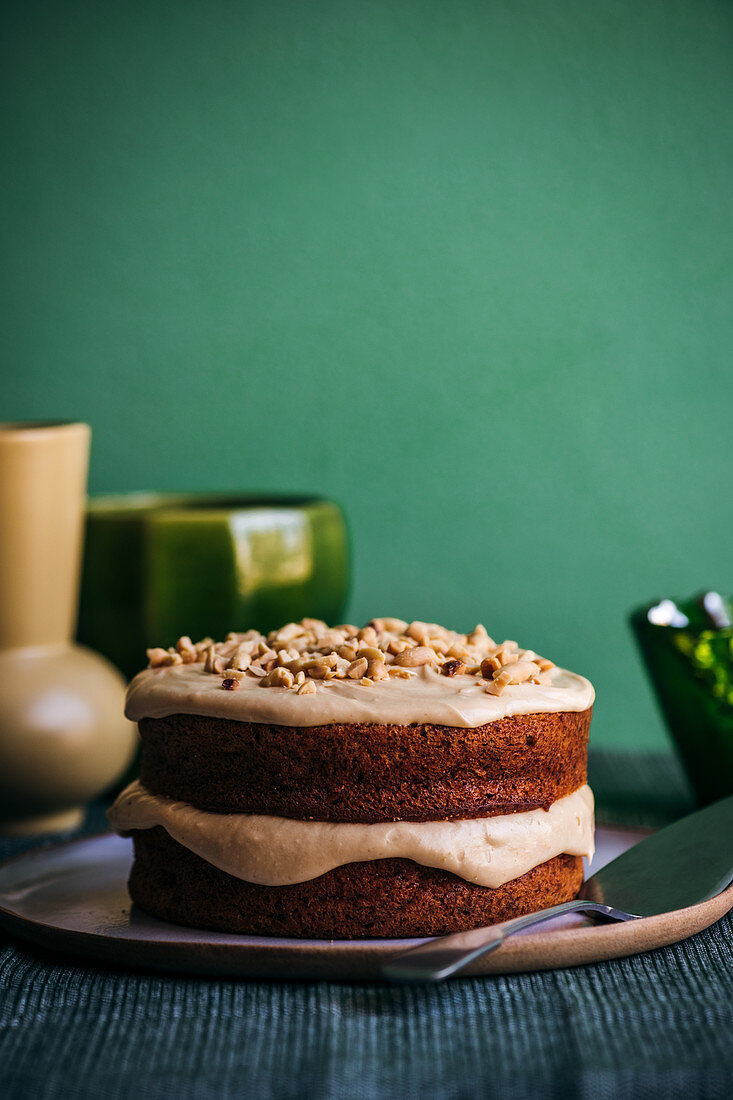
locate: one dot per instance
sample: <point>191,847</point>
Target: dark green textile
<point>659,1024</point>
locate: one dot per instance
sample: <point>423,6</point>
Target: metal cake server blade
<point>681,865</point>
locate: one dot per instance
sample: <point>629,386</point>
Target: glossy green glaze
<point>159,566</point>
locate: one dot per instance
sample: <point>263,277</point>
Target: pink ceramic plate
<point>73,898</point>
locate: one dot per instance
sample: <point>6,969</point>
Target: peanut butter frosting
<point>388,672</point>
<point>427,697</point>
<point>277,851</point>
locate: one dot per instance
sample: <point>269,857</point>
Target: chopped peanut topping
<point>310,656</point>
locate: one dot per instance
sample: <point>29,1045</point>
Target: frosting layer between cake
<point>276,851</point>
<point>428,697</point>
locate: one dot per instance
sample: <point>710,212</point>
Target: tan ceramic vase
<point>63,737</point>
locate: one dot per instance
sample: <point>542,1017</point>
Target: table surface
<point>659,1024</point>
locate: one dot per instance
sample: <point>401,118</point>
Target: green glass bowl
<point>157,566</point>
<point>691,670</point>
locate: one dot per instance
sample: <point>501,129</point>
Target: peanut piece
<point>278,677</point>
<point>519,671</point>
<point>419,631</point>
<point>479,637</point>
<point>489,666</point>
<point>377,671</point>
<point>394,626</point>
<point>158,657</point>
<point>495,687</point>
<point>371,653</point>
<point>413,658</point>
<point>187,649</point>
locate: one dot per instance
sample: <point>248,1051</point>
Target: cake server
<point>682,865</point>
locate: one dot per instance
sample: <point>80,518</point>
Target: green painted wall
<point>465,266</point>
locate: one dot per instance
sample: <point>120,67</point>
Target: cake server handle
<point>440,957</point>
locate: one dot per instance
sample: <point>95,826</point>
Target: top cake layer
<point>389,672</point>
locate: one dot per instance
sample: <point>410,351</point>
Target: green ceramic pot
<point>691,669</point>
<point>159,566</point>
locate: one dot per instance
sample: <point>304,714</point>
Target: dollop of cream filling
<point>278,851</point>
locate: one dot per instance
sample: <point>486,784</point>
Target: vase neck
<point>43,473</point>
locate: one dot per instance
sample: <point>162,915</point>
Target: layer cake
<point>394,780</point>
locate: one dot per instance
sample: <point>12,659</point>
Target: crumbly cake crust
<point>366,773</point>
<point>380,898</point>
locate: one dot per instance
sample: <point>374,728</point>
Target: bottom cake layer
<point>380,898</point>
